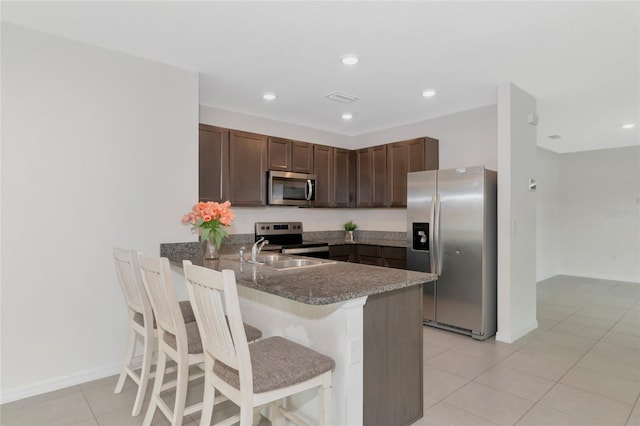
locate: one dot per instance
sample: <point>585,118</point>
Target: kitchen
<point>96,125</point>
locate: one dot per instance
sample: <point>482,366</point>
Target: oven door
<point>291,189</point>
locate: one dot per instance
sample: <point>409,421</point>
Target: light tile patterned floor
<point>581,367</point>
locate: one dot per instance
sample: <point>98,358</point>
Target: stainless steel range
<point>286,237</point>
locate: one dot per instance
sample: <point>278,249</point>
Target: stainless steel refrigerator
<point>452,232</point>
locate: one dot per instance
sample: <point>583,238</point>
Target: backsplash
<point>234,241</point>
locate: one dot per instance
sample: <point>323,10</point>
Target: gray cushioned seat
<point>185,307</point>
<point>194,343</point>
<point>278,363</point>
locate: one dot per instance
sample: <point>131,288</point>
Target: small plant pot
<point>348,236</point>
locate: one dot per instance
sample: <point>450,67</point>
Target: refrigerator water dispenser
<point>420,236</point>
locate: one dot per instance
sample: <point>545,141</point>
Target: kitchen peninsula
<point>367,318</point>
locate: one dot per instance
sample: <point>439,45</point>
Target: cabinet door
<point>363,178</point>
<point>213,163</point>
<point>395,257</point>
<point>397,167</point>
<point>416,155</point>
<point>279,153</point>
<point>323,169</point>
<point>378,176</point>
<point>341,253</point>
<point>301,157</point>
<point>344,182</point>
<point>247,168</point>
<point>370,255</point>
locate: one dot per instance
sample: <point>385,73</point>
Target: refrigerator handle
<point>432,245</point>
<point>436,236</point>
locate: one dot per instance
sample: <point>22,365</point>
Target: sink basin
<point>292,263</point>
<point>272,257</point>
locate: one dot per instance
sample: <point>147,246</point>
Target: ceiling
<point>581,60</point>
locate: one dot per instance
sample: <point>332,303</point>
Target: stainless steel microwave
<point>291,189</point>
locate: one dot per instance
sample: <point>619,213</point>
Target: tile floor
<point>580,367</point>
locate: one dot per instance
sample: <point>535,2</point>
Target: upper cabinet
<point>233,165</point>
<point>213,163</point>
<point>290,156</point>
<point>344,182</point>
<point>334,171</point>
<point>408,156</point>
<point>323,162</point>
<point>371,176</point>
<point>247,168</point>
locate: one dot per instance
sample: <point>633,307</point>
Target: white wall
<point>99,149</point>
<point>599,214</point>
<point>466,138</point>
<point>547,213</point>
<point>516,214</point>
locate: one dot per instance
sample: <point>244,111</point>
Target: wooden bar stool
<point>254,375</point>
<point>141,323</point>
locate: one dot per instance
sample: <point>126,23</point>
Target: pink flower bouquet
<point>209,219</point>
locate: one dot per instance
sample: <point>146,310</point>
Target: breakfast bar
<point>367,318</point>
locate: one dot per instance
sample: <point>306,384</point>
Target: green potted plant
<point>349,227</point>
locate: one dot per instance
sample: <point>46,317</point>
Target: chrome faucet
<point>255,250</point>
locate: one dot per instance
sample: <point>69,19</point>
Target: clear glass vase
<point>211,250</point>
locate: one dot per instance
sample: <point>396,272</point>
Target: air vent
<point>341,97</point>
<point>554,137</point>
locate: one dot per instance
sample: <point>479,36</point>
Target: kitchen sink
<point>292,263</point>
<point>284,261</point>
<point>272,257</point>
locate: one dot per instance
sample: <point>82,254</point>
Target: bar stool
<point>141,323</point>
<point>254,375</point>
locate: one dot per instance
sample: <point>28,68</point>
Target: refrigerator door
<point>421,190</point>
<point>459,239</point>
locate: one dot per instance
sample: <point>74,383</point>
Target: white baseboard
<point>50,385</point>
<point>512,337</point>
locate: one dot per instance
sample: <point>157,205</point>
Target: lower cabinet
<point>394,257</point>
<point>387,256</point>
<point>370,255</point>
<point>392,358</point>
<point>342,253</point>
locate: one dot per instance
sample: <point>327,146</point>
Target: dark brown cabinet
<point>342,252</point>
<point>404,157</point>
<point>323,163</point>
<point>233,165</point>
<point>392,363</point>
<point>290,156</point>
<point>371,176</point>
<point>247,168</point>
<point>363,178</point>
<point>370,255</point>
<point>213,163</point>
<point>394,257</point>
<point>379,176</point>
<point>344,177</point>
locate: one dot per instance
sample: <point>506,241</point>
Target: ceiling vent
<point>341,97</point>
<point>554,137</point>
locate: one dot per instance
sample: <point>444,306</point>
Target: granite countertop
<point>313,285</point>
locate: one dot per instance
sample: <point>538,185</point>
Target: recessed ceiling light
<point>347,116</point>
<point>628,126</point>
<point>269,96</point>
<point>350,59</point>
<point>428,93</point>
